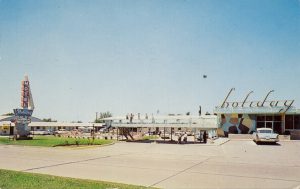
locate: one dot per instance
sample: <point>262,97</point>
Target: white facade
<point>38,125</point>
<point>179,121</point>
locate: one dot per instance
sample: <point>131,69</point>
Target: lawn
<point>52,141</point>
<point>22,180</point>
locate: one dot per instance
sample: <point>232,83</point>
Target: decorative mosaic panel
<point>236,124</point>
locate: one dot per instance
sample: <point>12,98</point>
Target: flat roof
<point>179,121</point>
<point>160,117</point>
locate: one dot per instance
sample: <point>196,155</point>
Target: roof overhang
<point>255,110</point>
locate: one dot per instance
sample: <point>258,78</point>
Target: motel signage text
<point>284,104</point>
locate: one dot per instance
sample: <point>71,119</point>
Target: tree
<point>103,115</point>
<point>76,121</point>
<point>48,120</point>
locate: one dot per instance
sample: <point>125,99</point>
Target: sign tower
<point>23,114</point>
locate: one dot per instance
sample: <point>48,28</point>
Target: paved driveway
<point>235,164</point>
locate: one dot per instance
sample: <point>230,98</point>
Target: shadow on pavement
<point>164,142</point>
<point>268,144</point>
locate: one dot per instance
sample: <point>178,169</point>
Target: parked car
<point>40,132</point>
<point>164,135</point>
<point>60,131</point>
<point>265,135</point>
<point>178,133</point>
<point>103,130</point>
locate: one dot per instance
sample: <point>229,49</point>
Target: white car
<point>60,131</point>
<point>265,135</point>
<point>164,135</point>
<point>103,130</point>
<point>40,132</point>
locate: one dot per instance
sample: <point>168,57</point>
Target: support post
<point>117,133</point>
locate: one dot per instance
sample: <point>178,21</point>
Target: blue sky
<point>135,56</point>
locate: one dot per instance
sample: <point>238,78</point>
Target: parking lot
<point>234,164</point>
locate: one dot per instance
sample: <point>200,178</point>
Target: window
<point>296,121</point>
<point>260,125</point>
<point>269,118</point>
<point>269,124</point>
<point>277,127</point>
<point>277,118</point>
<point>261,118</point>
<point>289,123</point>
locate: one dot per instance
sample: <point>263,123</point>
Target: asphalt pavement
<point>232,164</point>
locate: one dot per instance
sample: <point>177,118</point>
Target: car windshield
<point>264,131</point>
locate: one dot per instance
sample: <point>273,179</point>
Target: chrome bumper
<point>268,140</point>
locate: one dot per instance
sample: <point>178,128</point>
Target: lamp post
<point>93,132</point>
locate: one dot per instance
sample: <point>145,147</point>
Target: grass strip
<point>52,141</point>
<point>21,180</point>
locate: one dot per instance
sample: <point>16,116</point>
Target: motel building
<point>138,124</point>
<point>242,117</point>
<point>246,116</point>
<point>7,127</point>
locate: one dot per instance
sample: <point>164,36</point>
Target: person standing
<point>131,117</point>
<point>204,137</point>
<point>179,138</point>
<point>185,137</point>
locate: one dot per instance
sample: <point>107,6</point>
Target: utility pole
<point>93,132</point>
<point>96,117</point>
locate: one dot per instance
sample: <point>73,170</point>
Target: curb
<point>224,142</point>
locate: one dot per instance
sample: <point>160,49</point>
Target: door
<point>277,127</point>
